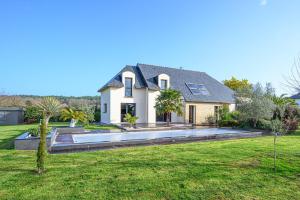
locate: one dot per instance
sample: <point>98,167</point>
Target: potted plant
<point>130,119</point>
<point>73,115</point>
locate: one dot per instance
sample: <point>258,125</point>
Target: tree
<point>49,107</point>
<point>236,84</point>
<point>167,102</point>
<point>256,106</point>
<point>86,106</point>
<point>11,101</point>
<point>278,127</point>
<point>130,119</point>
<point>283,100</point>
<point>74,115</point>
<point>32,114</point>
<point>41,153</point>
<point>292,82</point>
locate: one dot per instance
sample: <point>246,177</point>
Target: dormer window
<point>128,87</point>
<point>163,84</point>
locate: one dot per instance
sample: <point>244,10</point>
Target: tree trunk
<point>275,153</point>
<point>168,119</point>
<point>41,153</point>
<point>47,118</point>
<point>254,123</point>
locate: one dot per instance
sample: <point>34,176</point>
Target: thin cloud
<point>263,2</point>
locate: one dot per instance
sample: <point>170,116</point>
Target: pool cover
<point>150,135</point>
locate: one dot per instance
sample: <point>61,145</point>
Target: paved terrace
<point>78,141</point>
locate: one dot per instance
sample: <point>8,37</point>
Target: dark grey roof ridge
<point>188,70</point>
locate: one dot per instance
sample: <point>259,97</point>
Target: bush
<point>97,115</point>
<point>234,115</point>
<point>130,119</point>
<point>211,120</point>
<point>34,132</point>
<point>228,123</point>
<point>224,113</point>
<point>264,124</point>
<point>291,124</point>
<point>291,112</point>
<point>32,114</point>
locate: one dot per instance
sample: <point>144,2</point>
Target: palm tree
<point>283,100</point>
<point>167,102</point>
<point>74,115</point>
<point>49,107</point>
<point>130,119</point>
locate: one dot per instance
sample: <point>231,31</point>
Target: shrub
<point>130,119</point>
<point>228,123</point>
<point>74,115</point>
<point>224,113</point>
<point>291,124</point>
<point>34,132</point>
<point>234,115</point>
<point>211,120</point>
<point>264,124</point>
<point>32,114</point>
<point>97,115</point>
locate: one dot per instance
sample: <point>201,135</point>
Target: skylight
<point>198,89</point>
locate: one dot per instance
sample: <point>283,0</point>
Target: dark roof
<point>296,96</point>
<point>116,81</point>
<point>146,76</point>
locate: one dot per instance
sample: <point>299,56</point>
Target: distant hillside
<point>25,100</point>
<point>62,98</point>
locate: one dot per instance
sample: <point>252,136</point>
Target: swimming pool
<point>150,135</point>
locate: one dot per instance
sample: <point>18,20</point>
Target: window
<point>128,87</point>
<point>2,116</point>
<point>198,89</point>
<point>127,108</point>
<point>105,108</point>
<point>163,84</point>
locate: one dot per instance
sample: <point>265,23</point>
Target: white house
<point>135,88</point>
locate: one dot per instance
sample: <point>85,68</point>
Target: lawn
<point>232,169</point>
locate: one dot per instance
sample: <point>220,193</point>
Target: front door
<point>192,114</point>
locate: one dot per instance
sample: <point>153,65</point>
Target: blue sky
<point>73,47</point>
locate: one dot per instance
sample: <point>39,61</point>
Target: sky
<point>73,47</point>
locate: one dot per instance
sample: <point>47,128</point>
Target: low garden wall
<point>26,142</point>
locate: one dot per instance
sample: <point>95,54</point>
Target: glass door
<point>127,108</point>
<point>192,114</point>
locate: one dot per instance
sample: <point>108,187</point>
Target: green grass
<point>232,169</point>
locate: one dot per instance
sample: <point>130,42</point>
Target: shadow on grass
<point>30,171</point>
<point>8,143</point>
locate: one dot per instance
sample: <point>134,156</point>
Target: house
<point>11,115</point>
<point>135,88</point>
<point>296,97</point>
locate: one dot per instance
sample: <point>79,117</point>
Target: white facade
<point>143,99</point>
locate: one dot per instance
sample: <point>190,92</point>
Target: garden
<point>232,169</point>
<point>254,168</point>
